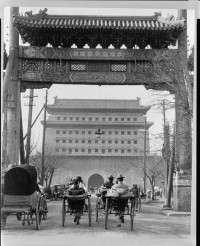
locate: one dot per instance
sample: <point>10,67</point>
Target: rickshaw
<point>101,201</point>
<point>116,204</point>
<point>20,196</point>
<point>76,203</point>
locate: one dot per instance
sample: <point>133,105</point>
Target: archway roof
<point>86,29</point>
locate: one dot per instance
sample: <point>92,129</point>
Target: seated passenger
<point>108,184</point>
<point>120,188</point>
<point>78,188</point>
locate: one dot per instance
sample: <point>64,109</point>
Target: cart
<point>20,196</point>
<point>76,203</point>
<point>120,204</point>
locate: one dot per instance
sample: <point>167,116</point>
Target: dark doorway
<point>95,180</point>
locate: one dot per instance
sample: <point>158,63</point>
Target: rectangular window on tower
<point>89,151</point>
<point>135,141</point>
<point>57,141</point>
<point>57,132</point>
<point>58,118</point>
<point>64,132</point>
<point>64,118</point>
<point>64,141</point>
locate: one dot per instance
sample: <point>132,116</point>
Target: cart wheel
<point>106,213</point>
<point>97,209</point>
<point>139,203</point>
<point>132,213</point>
<point>89,211</point>
<point>38,215</point>
<point>63,213</point>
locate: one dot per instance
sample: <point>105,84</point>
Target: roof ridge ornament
<point>41,14</point>
<point>170,20</point>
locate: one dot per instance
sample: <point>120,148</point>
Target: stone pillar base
<point>182,192</point>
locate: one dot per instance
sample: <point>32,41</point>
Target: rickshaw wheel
<point>106,213</point>
<point>38,215</point>
<point>89,211</point>
<point>97,209</point>
<point>63,213</point>
<point>132,213</point>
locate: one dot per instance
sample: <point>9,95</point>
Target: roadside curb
<point>173,213</point>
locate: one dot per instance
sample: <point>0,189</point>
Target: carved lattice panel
<point>31,65</point>
<point>118,68</point>
<point>60,66</point>
<point>48,66</point>
<point>78,67</point>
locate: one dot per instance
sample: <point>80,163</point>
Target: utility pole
<point>11,99</point>
<point>145,146</point>
<point>28,142</point>
<point>43,141</point>
<point>34,121</point>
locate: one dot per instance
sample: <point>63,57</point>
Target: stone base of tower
<point>182,193</point>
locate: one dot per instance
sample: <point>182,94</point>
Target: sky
<point>148,97</point>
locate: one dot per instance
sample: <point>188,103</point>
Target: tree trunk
<point>50,179</point>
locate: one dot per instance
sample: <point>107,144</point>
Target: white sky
<point>102,92</point>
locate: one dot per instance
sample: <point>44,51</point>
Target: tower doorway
<point>95,180</point>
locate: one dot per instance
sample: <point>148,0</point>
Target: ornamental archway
<point>146,61</point>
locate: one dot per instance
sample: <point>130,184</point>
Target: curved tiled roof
<point>98,22</point>
<point>97,104</point>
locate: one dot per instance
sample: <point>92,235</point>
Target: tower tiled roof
<point>97,104</point>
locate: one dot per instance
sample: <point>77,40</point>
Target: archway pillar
<point>182,178</point>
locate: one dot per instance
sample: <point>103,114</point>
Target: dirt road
<point>150,228</point>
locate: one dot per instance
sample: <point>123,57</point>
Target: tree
<point>154,171</point>
<point>51,162</point>
<point>5,57</point>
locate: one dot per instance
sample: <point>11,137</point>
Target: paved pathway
<point>150,228</point>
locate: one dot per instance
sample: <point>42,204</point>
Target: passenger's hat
<point>78,178</point>
<point>110,177</point>
<point>119,176</point>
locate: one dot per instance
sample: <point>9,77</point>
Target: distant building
<point>97,137</point>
